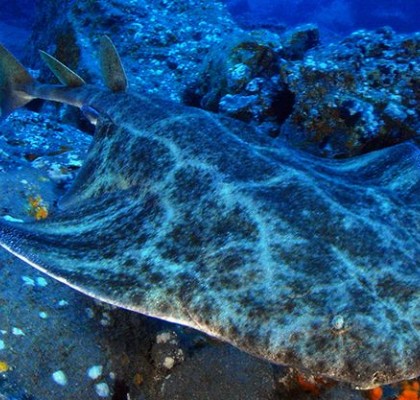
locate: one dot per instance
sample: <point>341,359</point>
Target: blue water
<point>335,16</point>
<point>16,18</point>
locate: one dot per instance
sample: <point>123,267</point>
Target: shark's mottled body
<point>195,218</point>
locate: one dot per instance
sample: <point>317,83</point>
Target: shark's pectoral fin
<point>87,247</point>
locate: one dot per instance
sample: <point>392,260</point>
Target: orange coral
<point>374,394</point>
<point>308,386</point>
<point>408,395</point>
<point>410,390</point>
<point>37,208</point>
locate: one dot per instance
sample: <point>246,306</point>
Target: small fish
<point>195,218</point>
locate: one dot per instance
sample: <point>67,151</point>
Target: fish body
<point>196,218</point>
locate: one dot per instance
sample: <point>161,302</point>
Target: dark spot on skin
<point>236,223</point>
<point>350,366</point>
<point>288,306</point>
<point>246,300</point>
<point>322,365</point>
<point>141,239</point>
<point>290,357</point>
<point>129,262</point>
<point>156,277</point>
<point>233,331</point>
<point>258,312</point>
<point>319,342</point>
<point>229,282</point>
<point>165,308</point>
<point>391,315</point>
<point>405,327</point>
<point>191,183</point>
<point>170,290</point>
<point>295,337</point>
<point>251,276</point>
<point>136,298</point>
<point>389,287</point>
<point>187,286</point>
<point>146,267</point>
<point>143,159</point>
<point>230,262</point>
<point>108,254</point>
<point>206,309</point>
<point>122,282</point>
<point>251,339</point>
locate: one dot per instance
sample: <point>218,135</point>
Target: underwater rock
<point>240,79</point>
<point>355,96</point>
<point>340,100</point>
<point>335,101</point>
<point>162,43</point>
<point>297,41</point>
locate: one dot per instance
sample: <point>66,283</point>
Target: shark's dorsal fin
<point>112,69</point>
<point>63,73</point>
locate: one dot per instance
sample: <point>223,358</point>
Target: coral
<point>37,208</point>
<point>309,386</point>
<point>4,367</point>
<point>410,390</point>
<point>374,394</point>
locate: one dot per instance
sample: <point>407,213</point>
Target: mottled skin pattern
<point>194,218</point>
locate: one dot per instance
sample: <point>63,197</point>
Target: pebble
<point>338,322</point>
<point>89,312</point>
<point>106,319</point>
<point>40,281</point>
<point>12,219</point>
<point>169,362</point>
<point>2,345</point>
<point>27,280</point>
<point>60,378</point>
<point>102,389</point>
<point>63,303</point>
<point>43,315</point>
<point>95,371</point>
<point>17,331</point>
<point>164,337</point>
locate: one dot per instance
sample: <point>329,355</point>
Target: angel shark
<point>196,218</point>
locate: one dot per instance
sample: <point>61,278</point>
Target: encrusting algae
<point>37,208</point>
<point>4,367</point>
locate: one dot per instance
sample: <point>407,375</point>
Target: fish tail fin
<point>16,84</point>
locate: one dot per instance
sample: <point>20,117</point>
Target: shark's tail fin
<point>17,87</point>
<point>15,84</point>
